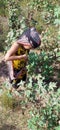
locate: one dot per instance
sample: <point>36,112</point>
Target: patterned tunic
<point>20,64</point>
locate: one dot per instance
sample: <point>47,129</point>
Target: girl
<point>17,55</point>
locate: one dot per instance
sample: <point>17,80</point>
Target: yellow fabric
<point>18,64</point>
<point>20,76</point>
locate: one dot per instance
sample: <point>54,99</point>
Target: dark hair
<point>33,37</point>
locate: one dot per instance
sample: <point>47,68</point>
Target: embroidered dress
<point>20,65</point>
<point>17,68</point>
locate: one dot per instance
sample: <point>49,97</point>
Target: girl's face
<point>27,46</point>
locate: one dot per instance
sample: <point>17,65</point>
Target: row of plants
<point>45,102</point>
<point>44,15</point>
<point>43,63</point>
<point>42,91</point>
<point>44,96</point>
<point>45,113</point>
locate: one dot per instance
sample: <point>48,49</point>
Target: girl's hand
<point>25,57</point>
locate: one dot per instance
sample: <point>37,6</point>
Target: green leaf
<point>57,11</point>
<point>58,54</point>
<point>27,93</point>
<point>57,128</point>
<point>57,21</point>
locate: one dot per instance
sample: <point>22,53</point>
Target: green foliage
<point>57,128</point>
<point>42,14</point>
<point>16,22</point>
<point>45,15</point>
<point>57,15</point>
<point>46,114</point>
<point>41,63</point>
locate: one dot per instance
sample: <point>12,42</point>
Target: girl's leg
<point>10,71</point>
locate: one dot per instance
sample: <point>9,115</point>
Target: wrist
<point>25,56</point>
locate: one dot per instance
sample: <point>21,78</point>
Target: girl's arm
<point>10,53</point>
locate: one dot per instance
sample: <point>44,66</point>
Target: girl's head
<point>30,38</point>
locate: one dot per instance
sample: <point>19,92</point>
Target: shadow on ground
<point>3,69</point>
<point>8,127</point>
